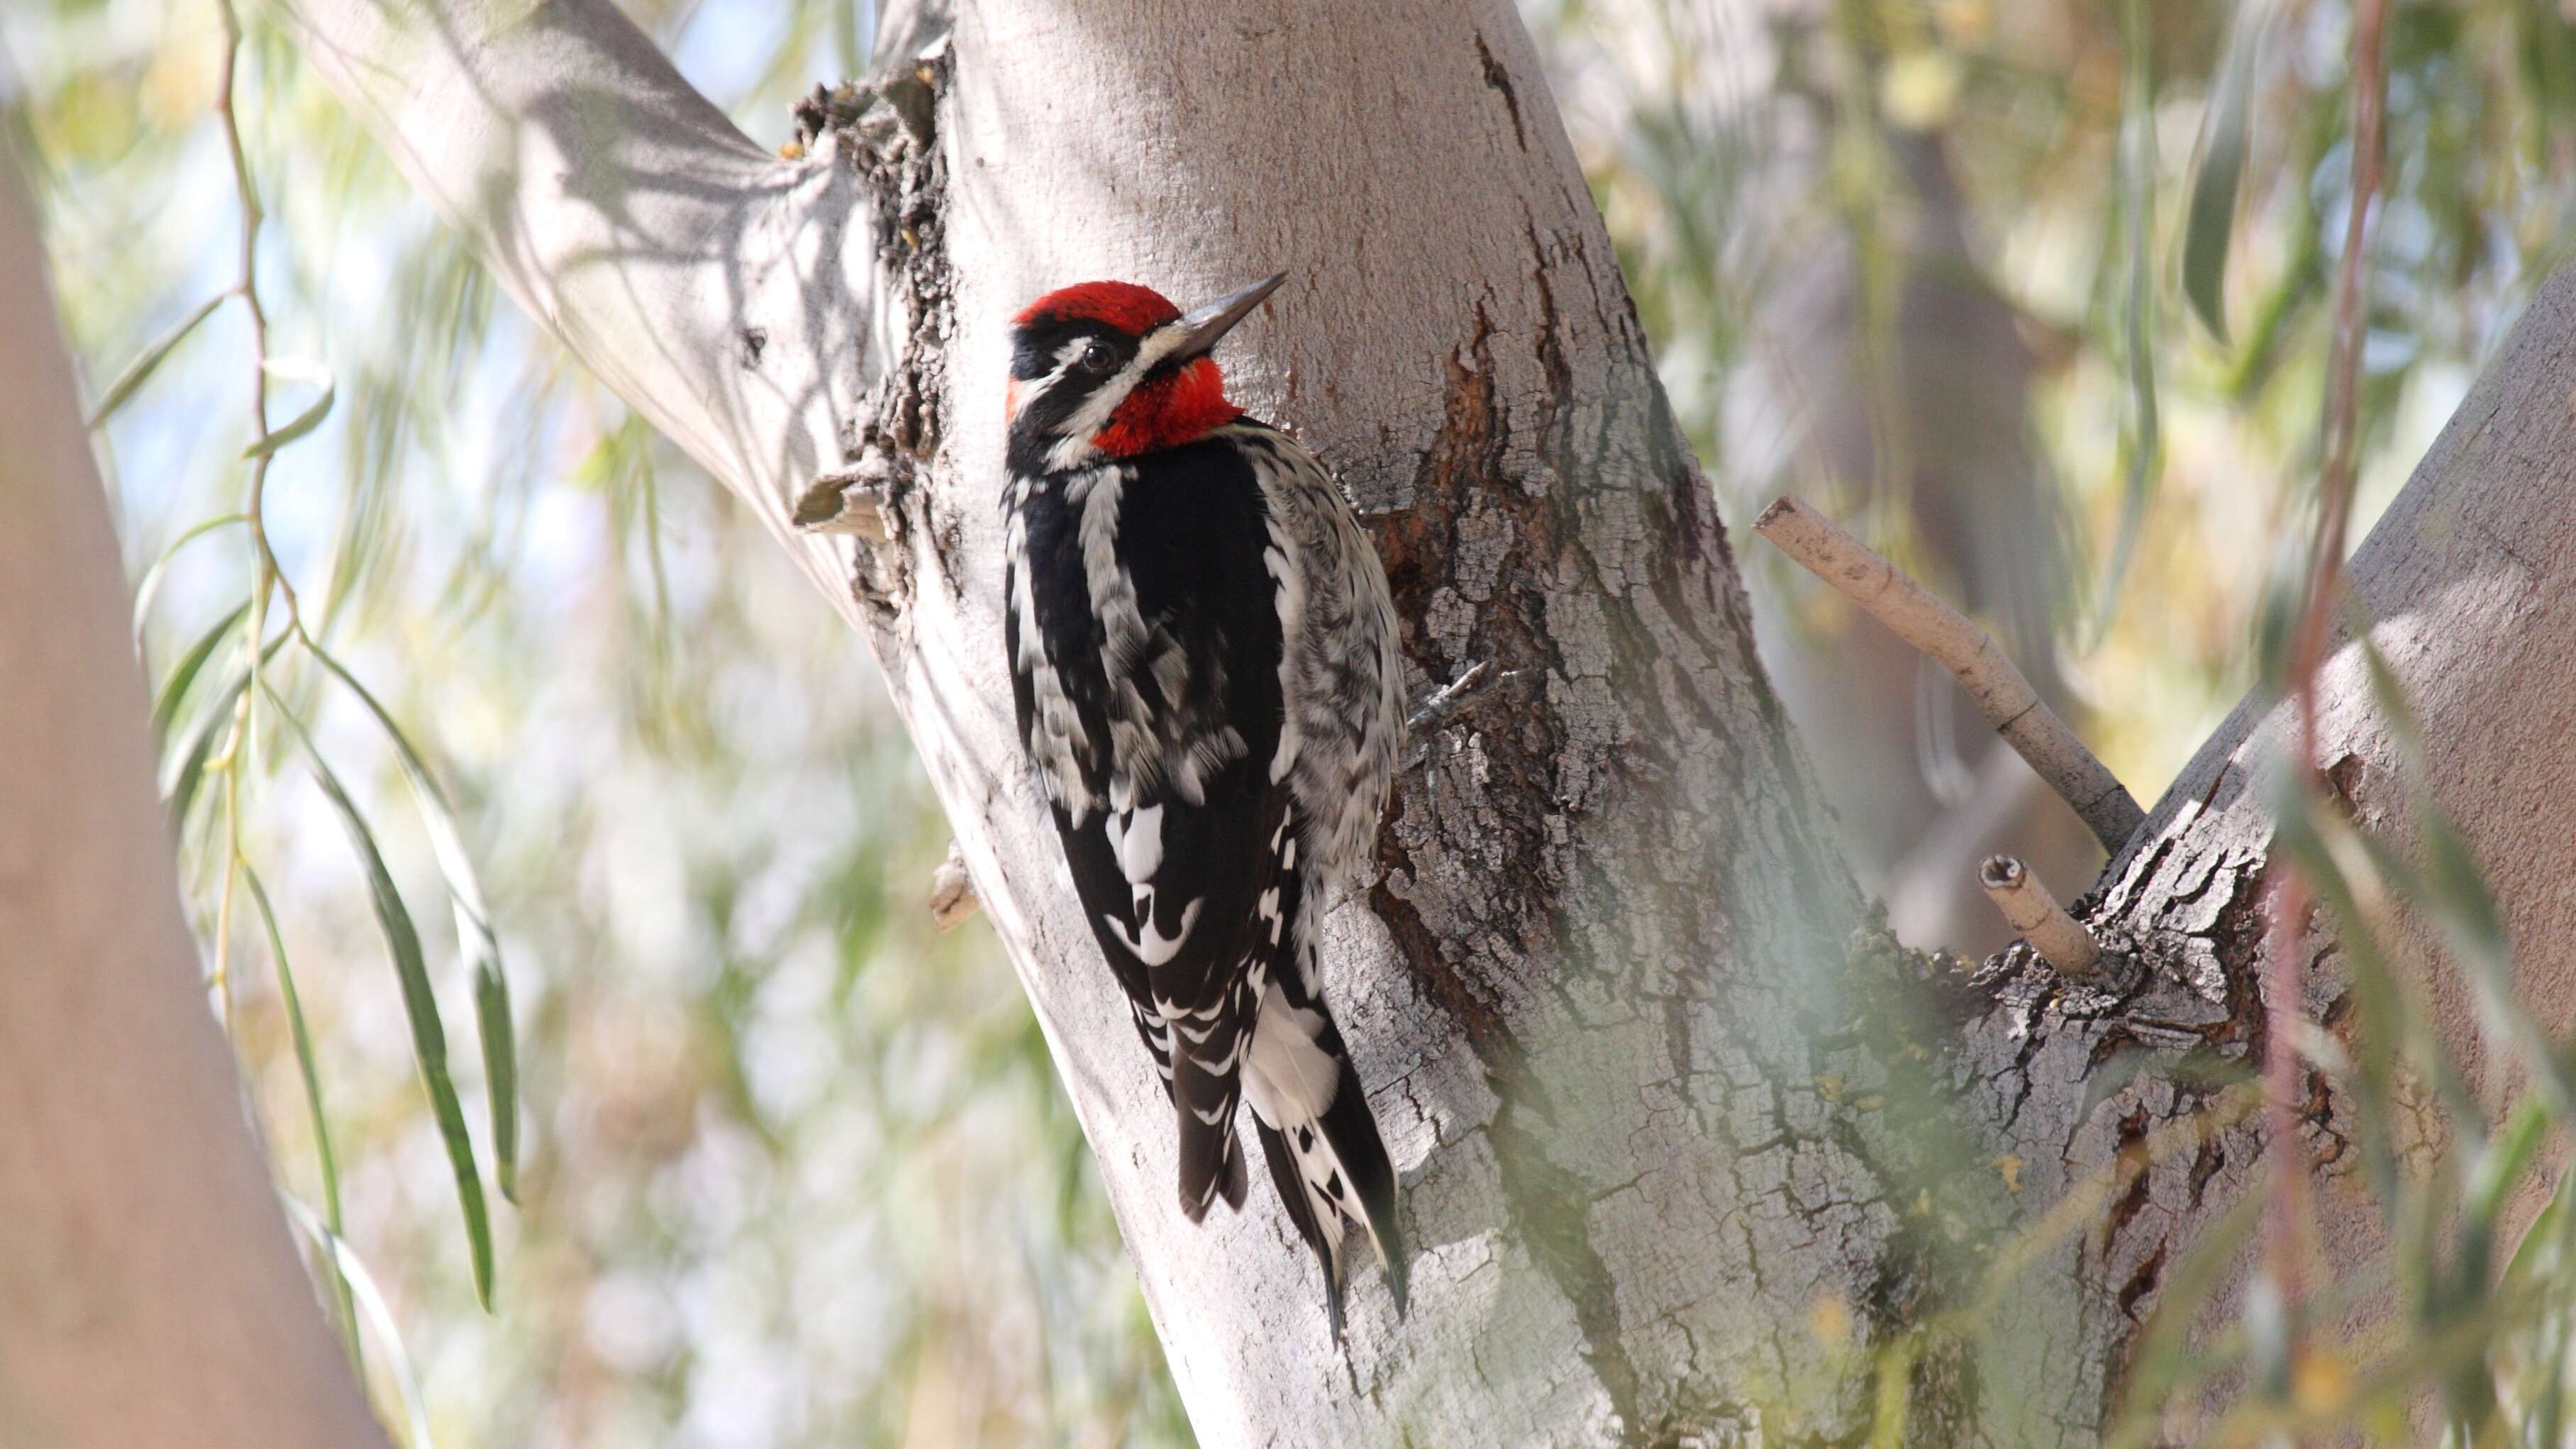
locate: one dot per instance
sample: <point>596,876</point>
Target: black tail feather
<point>1211,1163</point>
<point>1301,1214</point>
<point>1352,1130</point>
<point>1352,1134</point>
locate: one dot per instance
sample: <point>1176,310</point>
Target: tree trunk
<point>149,1293</point>
<point>1669,1160</point>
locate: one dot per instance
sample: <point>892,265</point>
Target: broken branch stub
<point>851,501</point>
<point>952,891</point>
<point>2002,693</point>
<point>2034,913</point>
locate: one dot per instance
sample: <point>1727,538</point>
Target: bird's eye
<point>1097,357</point>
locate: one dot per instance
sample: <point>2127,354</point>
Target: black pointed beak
<point>1201,327</point>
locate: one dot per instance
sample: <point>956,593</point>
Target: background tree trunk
<point>149,1293</point>
<point>1669,1160</point>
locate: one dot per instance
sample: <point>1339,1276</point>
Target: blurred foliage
<point>1739,146</point>
<point>794,1168</point>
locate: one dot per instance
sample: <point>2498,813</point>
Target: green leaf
<point>2390,696</point>
<point>2209,221</point>
<point>420,1004</point>
<point>2465,912</point>
<point>2142,441</point>
<point>2269,1323</point>
<point>346,1264</point>
<point>149,587</point>
<point>2546,1243</point>
<point>327,1160</point>
<point>140,370</point>
<point>2500,1166</point>
<point>474,933</point>
<point>295,369</point>
<point>174,689</point>
<point>2454,891</point>
<point>181,792</point>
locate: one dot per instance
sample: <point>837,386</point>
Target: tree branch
<point>625,213</point>
<point>2001,691</point>
<point>153,1294</point>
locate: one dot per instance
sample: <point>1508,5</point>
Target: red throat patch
<point>1165,412</point>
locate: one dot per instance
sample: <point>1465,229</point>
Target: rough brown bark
<point>1661,1133</point>
<point>149,1293</point>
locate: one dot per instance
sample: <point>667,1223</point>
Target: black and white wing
<point>1145,647</point>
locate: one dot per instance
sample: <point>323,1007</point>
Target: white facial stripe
<point>1075,432</point>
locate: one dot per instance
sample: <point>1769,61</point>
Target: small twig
<point>2002,693</point>
<point>1448,698</point>
<point>1445,703</point>
<point>2034,913</point>
<point>952,892</point>
<point>2282,986</point>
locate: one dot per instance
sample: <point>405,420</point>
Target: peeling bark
<point>1672,1160</point>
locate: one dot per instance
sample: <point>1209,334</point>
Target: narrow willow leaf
<point>2465,911</point>
<point>174,689</point>
<point>2142,445</point>
<point>428,1036</point>
<point>2394,706</point>
<point>181,791</point>
<point>2500,1166</point>
<point>2546,1244</point>
<point>2381,1019</point>
<point>295,369</point>
<point>500,1070</point>
<point>350,1270</point>
<point>327,1160</point>
<point>2209,222</point>
<point>474,933</point>
<point>149,587</point>
<point>2265,1318</point>
<point>140,370</point>
<point>2454,890</point>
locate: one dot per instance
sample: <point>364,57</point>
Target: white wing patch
<point>1136,838</point>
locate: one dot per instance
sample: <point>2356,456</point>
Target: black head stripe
<point>1054,387</point>
<point>1036,346</point>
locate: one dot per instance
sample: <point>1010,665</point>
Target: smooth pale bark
<point>149,1292</point>
<point>1667,1161</point>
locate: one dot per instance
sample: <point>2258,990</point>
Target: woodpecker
<point>1203,660</point>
